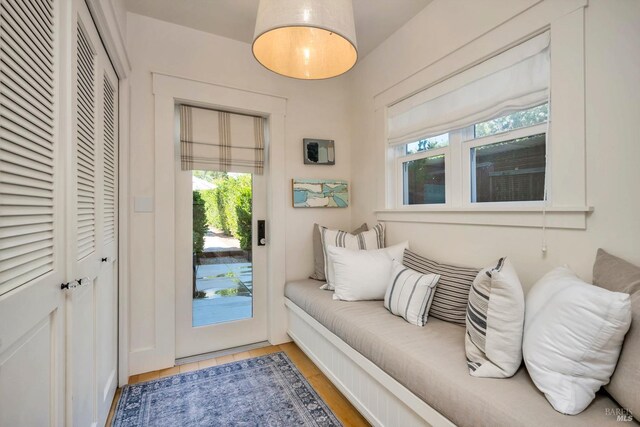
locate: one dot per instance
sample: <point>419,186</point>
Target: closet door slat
<point>27,129</point>
<point>110,161</point>
<point>85,146</point>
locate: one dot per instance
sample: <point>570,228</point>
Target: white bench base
<point>378,397</point>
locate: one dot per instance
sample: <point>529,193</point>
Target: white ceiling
<point>235,19</point>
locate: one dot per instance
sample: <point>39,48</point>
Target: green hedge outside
<point>228,207</point>
<point>199,223</point>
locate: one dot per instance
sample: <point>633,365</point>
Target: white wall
<point>314,109</point>
<point>613,108</point>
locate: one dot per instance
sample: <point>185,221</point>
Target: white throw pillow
<point>366,240</point>
<point>409,294</point>
<point>573,333</point>
<point>495,318</point>
<point>363,275</point>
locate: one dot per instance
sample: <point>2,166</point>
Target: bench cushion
<point>430,361</point>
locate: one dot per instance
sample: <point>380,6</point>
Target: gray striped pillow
<point>367,240</point>
<point>318,251</point>
<point>410,294</point>
<point>495,319</point>
<point>452,294</point>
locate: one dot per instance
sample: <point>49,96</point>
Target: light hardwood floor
<point>340,406</point>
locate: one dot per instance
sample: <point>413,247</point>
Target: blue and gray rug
<point>263,391</point>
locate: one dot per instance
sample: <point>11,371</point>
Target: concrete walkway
<point>215,240</point>
<point>227,282</point>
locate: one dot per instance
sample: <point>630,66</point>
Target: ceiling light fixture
<point>306,39</point>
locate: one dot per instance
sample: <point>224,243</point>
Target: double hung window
<point>478,137</point>
<point>502,160</point>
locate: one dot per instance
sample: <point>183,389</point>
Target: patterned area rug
<point>263,391</point>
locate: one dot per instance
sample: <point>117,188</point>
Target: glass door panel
<point>221,291</point>
<point>222,252</point>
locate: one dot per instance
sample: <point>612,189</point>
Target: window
<point>477,137</point>
<point>519,119</point>
<point>508,157</point>
<point>424,175</point>
<point>509,171</point>
<point>424,181</point>
<point>439,141</point>
<point>499,160</point>
<point>469,95</point>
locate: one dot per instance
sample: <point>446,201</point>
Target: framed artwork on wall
<point>320,193</point>
<point>318,151</point>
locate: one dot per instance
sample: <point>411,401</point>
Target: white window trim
<point>566,174</point>
<point>458,207</point>
<point>458,191</point>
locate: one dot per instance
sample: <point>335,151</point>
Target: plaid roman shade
<point>221,141</point>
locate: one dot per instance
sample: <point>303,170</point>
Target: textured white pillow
<point>495,318</point>
<point>573,333</point>
<point>409,294</point>
<point>366,240</point>
<point>362,275</point>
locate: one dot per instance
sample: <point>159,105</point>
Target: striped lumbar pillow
<point>367,240</point>
<point>451,296</point>
<point>410,294</point>
<point>318,251</point>
<point>495,320</point>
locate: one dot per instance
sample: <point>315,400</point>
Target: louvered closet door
<point>31,216</point>
<point>92,242</point>
<point>106,283</point>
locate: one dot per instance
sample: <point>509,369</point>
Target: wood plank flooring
<point>341,407</point>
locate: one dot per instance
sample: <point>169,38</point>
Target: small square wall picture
<point>320,193</point>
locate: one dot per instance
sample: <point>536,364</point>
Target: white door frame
<point>168,90</point>
<point>190,340</point>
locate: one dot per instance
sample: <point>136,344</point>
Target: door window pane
<point>509,171</point>
<point>424,181</point>
<point>222,262</point>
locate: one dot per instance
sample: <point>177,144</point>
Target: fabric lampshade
<point>306,39</point>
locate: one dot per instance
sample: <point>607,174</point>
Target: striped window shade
<point>221,141</point>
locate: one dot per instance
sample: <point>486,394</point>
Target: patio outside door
<point>220,269</point>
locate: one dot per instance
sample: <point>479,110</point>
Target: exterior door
<point>32,220</point>
<point>92,232</point>
<point>221,282</point>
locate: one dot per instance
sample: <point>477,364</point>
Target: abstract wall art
<point>320,193</point>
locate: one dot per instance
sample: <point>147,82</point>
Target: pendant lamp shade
<point>306,39</point>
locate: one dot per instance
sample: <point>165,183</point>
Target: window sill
<point>510,216</point>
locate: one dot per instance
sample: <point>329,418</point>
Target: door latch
<point>262,234</point>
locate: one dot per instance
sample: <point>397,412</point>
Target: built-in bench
<point>398,374</point>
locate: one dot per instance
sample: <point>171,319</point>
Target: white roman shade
<point>514,80</point>
<point>221,141</point>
